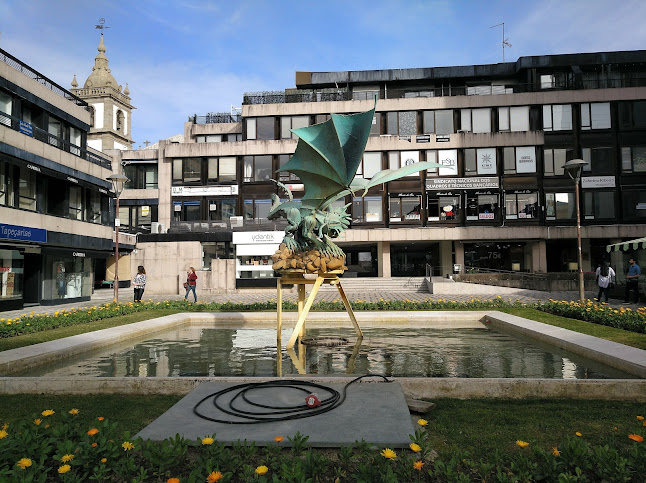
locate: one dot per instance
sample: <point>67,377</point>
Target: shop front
<point>454,201</point>
<point>507,256</point>
<point>253,251</point>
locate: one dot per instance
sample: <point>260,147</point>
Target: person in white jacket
<point>605,279</point>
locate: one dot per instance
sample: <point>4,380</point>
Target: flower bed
<point>598,313</point>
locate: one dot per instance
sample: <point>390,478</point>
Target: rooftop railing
<point>292,96</point>
<point>215,118</point>
<point>23,68</point>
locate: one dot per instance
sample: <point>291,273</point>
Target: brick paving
<point>102,296</point>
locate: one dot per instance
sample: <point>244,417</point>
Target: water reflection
<point>199,351</point>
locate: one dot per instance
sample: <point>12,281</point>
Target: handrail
<point>538,276</point>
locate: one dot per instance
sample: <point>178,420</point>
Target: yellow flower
<point>388,454</point>
<point>418,465</point>
<point>24,463</point>
<point>415,447</point>
<point>640,418</point>
<point>261,470</point>
<point>127,446</point>
<point>92,431</point>
<point>3,434</point>
<point>73,412</point>
<point>104,460</point>
<point>278,439</point>
<point>64,469</point>
<point>67,458</point>
<point>522,444</point>
<point>47,412</point>
<point>216,475</point>
<point>636,437</point>
<point>422,422</point>
<point>37,422</point>
<point>207,441</point>
<point>555,451</point>
<point>578,434</point>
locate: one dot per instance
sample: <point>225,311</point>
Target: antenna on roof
<point>101,25</point>
<point>505,42</point>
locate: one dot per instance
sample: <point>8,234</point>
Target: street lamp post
<point>574,167</point>
<point>118,180</point>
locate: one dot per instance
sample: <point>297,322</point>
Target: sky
<point>188,57</point>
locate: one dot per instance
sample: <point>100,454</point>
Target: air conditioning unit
<point>154,227</point>
<point>236,221</point>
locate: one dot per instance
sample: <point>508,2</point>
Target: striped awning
<point>636,244</point>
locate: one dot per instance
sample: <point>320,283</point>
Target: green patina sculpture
<point>326,160</point>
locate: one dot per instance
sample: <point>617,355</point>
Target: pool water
<point>402,352</point>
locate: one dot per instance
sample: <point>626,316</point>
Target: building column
<point>446,257</point>
<point>383,259</point>
<point>459,255</point>
<point>539,256</point>
<point>617,260</point>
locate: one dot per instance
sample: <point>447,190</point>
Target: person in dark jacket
<point>191,282</point>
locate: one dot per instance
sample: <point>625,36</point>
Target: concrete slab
<point>373,411</point>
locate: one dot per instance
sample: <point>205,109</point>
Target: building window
<point>94,207</point>
<point>521,205</point>
<point>214,251</point>
<point>557,117</point>
<point>407,123</point>
<point>370,165</point>
<point>284,175</point>
<point>599,160</point>
<point>218,138</point>
<point>75,141</point>
<point>598,205</point>
<point>595,116</point>
<point>119,121</point>
<point>448,158</point>
<point>75,202</point>
<point>513,119</point>
<point>375,128</point>
<point>258,168</point>
<point>438,122</point>
<point>444,208</point>
<point>431,157</point>
<point>261,128</point>
<point>632,115</point>
<point>294,122</point>
<point>365,93</point>
<point>367,210</point>
<point>633,159</point>
<point>222,209</point>
<point>634,205</point>
<point>187,210</point>
<point>5,108</point>
<point>141,176</point>
<point>3,183</point>
<point>27,189</point>
<point>221,170</point>
<point>400,159</point>
<point>192,170</point>
<point>554,159</point>
<point>55,130</point>
<point>560,206</point>
<point>480,161</point>
<point>257,210</point>
<point>476,120</point>
<point>405,208</point>
<point>482,207</point>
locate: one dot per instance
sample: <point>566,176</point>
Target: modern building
<point>500,201</point>
<point>55,216</point>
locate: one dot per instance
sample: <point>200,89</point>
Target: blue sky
<point>197,56</point>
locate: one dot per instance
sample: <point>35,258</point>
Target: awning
<point>636,244</point>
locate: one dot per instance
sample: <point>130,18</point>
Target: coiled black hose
<point>267,413</point>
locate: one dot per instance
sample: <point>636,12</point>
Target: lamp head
<point>574,167</point>
<point>117,180</point>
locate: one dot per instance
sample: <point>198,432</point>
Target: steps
<point>380,284</point>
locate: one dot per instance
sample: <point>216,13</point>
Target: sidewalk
<point>105,295</point>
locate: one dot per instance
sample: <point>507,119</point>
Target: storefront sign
<point>296,187</point>
<point>461,183</point>
<point>34,168</point>
<point>449,161</point>
<point>526,159</point>
<point>487,161</point>
<point>145,210</point>
<point>257,237</point>
<point>15,232</point>
<point>227,190</point>
<point>72,180</point>
<point>78,254</point>
<point>486,216</point>
<point>598,182</point>
<point>409,157</point>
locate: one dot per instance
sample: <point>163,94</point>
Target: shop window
<point>75,197</point>
<point>476,120</point>
<point>12,269</point>
<point>521,205</point>
<point>367,210</point>
<point>598,205</point>
<point>557,117</point>
<point>448,158</point>
<point>222,209</point>
<point>513,119</point>
<point>294,122</point>
<point>599,160</point>
<point>483,207</point>
<point>444,208</point>
<point>554,159</point>
<point>634,204</point>
<point>632,115</point>
<point>595,115</point>
<point>141,176</point>
<point>66,277</point>
<point>215,251</point>
<point>633,159</point>
<point>221,170</point>
<point>560,206</point>
<point>258,168</point>
<point>284,175</point>
<point>407,123</point>
<point>257,210</point>
<point>480,161</point>
<point>27,189</point>
<point>369,166</point>
<point>405,208</point>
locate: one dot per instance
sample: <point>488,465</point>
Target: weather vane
<point>505,42</point>
<point>101,25</point>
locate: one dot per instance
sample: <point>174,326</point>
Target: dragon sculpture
<point>326,160</point>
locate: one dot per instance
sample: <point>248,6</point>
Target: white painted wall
<point>98,115</point>
<point>120,146</point>
<point>95,144</point>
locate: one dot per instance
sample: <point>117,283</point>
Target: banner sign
<point>25,233</point>
<point>462,183</point>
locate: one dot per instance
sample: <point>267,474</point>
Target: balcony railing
<point>282,97</point>
<point>215,118</point>
<point>226,225</point>
<point>44,136</point>
<point>23,68</point>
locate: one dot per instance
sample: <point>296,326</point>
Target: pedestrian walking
<point>139,283</point>
<point>605,279</point>
<point>632,281</point>
<point>191,283</point>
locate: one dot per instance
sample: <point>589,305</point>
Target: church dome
<point>101,76</point>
